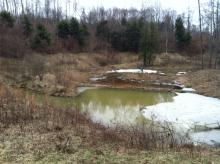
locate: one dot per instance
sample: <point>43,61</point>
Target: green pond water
<point>111,106</point>
<point>118,106</point>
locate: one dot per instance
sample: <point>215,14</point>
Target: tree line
<point>148,31</point>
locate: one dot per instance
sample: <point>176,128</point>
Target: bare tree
<point>217,34</point>
<point>201,37</point>
<point>7,5</point>
<point>15,6</point>
<point>47,8</point>
<point>22,7</point>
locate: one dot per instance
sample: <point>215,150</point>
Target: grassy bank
<point>61,74</point>
<point>32,133</point>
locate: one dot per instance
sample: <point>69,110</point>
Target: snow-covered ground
<point>180,73</point>
<point>186,111</point>
<point>188,90</point>
<point>97,78</point>
<point>210,137</point>
<point>134,71</point>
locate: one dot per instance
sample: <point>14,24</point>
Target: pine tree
<point>180,33</point>
<point>6,19</point>
<point>149,43</point>
<point>102,30</point>
<point>133,36</point>
<point>74,28</point>
<point>183,38</point>
<point>27,27</point>
<point>63,29</point>
<point>42,38</point>
<point>83,33</point>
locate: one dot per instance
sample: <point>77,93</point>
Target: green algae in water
<point>118,106</point>
<point>109,106</point>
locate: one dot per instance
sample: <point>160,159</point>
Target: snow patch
<point>97,78</point>
<point>161,73</point>
<point>186,111</point>
<point>134,71</point>
<point>188,90</point>
<point>180,73</point>
<point>209,137</point>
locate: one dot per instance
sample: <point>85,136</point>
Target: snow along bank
<point>186,111</point>
<point>134,71</point>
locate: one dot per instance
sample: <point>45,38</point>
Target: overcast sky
<point>179,5</point>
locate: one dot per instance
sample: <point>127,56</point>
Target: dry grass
<point>206,82</point>
<point>19,109</point>
<point>70,70</point>
<point>43,133</point>
<point>170,59</point>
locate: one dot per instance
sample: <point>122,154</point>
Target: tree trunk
<point>211,37</point>
<point>166,40</point>
<point>7,6</point>
<point>201,38</point>
<point>217,35</point>
<point>22,7</point>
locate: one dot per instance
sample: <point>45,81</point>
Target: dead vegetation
<point>69,70</point>
<point>72,70</point>
<point>50,134</point>
<point>19,109</point>
<point>170,59</point>
<point>206,82</point>
<point>37,132</point>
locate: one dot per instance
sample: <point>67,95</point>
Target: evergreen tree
<point>102,30</point>
<point>6,19</point>
<point>74,28</point>
<point>149,43</point>
<point>180,33</point>
<point>63,29</point>
<point>124,21</point>
<point>188,38</point>
<point>132,37</point>
<point>27,27</point>
<point>42,38</point>
<point>118,41</point>
<point>83,34</point>
<point>183,38</point>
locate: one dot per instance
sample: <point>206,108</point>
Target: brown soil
<point>206,82</point>
<point>48,139</point>
<point>71,70</point>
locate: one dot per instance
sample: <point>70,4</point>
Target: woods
<point>105,84</point>
<point>44,26</point>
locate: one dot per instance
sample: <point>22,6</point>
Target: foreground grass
<point>29,145</point>
<point>33,134</point>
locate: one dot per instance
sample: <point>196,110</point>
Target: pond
<point>187,112</point>
<point>109,106</point>
<point>118,106</point>
<point>112,107</point>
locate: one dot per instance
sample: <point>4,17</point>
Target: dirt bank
<point>46,134</point>
<point>61,74</point>
<point>206,82</point>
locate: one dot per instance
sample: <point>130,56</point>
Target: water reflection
<point>116,106</point>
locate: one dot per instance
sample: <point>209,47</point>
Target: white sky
<point>179,5</point>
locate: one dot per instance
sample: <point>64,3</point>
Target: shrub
<point>27,27</point>
<point>63,29</point>
<point>7,19</point>
<point>42,38</point>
